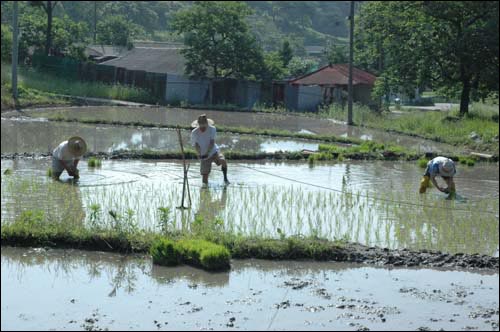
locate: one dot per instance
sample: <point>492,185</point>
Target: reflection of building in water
<point>210,209</point>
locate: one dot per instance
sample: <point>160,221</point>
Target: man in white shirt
<point>66,157</point>
<point>203,139</point>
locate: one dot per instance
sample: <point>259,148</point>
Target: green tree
<point>298,66</point>
<point>6,43</point>
<point>286,53</point>
<point>67,36</point>
<point>116,30</point>
<point>48,7</point>
<point>218,41</point>
<point>430,43</point>
<point>335,53</point>
<point>274,66</point>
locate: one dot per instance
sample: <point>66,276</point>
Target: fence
<point>154,83</point>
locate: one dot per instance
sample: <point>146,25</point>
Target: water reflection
<point>294,123</point>
<point>20,136</point>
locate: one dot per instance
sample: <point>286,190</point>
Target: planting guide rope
<point>368,197</point>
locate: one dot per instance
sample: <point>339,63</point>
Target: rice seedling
<point>8,171</point>
<point>94,162</point>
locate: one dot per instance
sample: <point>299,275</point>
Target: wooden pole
<point>185,184</point>
<point>350,90</point>
<point>15,43</point>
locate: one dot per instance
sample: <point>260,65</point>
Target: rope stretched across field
<point>365,196</point>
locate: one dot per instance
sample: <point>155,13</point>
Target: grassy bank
<point>34,228</point>
<point>38,88</point>
<point>443,126</point>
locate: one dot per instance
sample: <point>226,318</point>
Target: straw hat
<point>202,121</point>
<point>447,168</point>
<point>77,146</point>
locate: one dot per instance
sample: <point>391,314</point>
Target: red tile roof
<point>335,75</point>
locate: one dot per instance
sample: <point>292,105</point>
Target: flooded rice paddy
<point>373,203</point>
<point>78,290</point>
<point>21,135</point>
<point>183,117</point>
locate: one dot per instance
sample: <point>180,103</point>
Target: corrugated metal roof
<point>335,75</point>
<point>154,60</point>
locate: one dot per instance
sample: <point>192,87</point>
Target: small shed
<point>333,82</point>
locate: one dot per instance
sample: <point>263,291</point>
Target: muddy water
<point>69,289</point>
<point>373,203</point>
<point>25,135</point>
<point>173,116</point>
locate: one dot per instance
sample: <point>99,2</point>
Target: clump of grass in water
<point>201,253</point>
<point>49,172</point>
<point>8,171</point>
<point>422,162</point>
<point>467,161</point>
<point>94,162</point>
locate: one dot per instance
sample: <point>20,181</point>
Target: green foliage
<point>117,30</point>
<point>49,172</point>
<point>8,171</point>
<point>298,67</point>
<point>430,43</point>
<point>274,67</point>
<point>164,222</point>
<point>218,41</point>
<point>94,162</point>
<point>6,43</point>
<point>286,53</point>
<point>336,53</point>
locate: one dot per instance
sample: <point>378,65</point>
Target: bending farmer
<point>203,139</point>
<point>66,157</point>
<point>439,166</point>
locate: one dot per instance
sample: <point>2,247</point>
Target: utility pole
<point>350,90</point>
<point>95,21</point>
<point>14,53</point>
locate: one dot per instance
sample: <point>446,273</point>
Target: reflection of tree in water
<point>121,270</point>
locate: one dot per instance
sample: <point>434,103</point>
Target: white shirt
<point>203,140</point>
<point>62,152</point>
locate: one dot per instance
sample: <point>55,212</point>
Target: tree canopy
<point>218,41</point>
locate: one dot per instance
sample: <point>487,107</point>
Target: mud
<point>70,289</point>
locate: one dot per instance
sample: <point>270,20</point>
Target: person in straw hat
<point>203,140</point>
<point>66,157</point>
<point>443,167</point>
